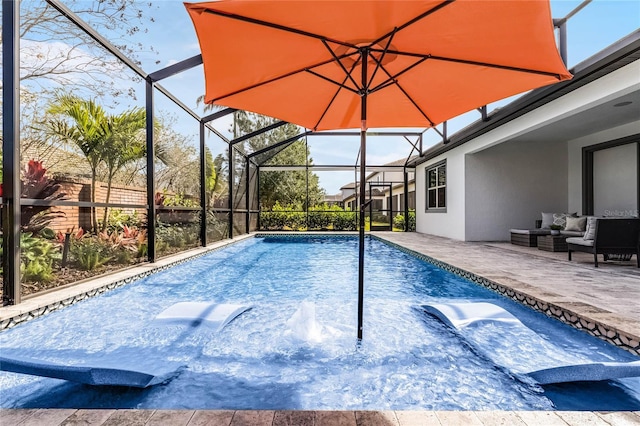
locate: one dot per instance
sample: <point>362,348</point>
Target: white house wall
<point>615,181</point>
<point>450,223</point>
<point>575,158</point>
<point>509,185</point>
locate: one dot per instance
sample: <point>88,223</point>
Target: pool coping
<point>38,306</point>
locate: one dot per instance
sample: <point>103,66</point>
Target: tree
<point>124,143</point>
<point>55,52</point>
<point>287,188</point>
<point>85,126</point>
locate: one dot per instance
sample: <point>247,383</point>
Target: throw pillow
<point>560,219</point>
<point>577,224</point>
<point>547,220</point>
<point>590,229</point>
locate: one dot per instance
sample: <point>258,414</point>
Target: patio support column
<point>306,182</point>
<point>363,176</point>
<point>231,180</point>
<point>258,196</point>
<point>406,199</point>
<point>11,151</point>
<point>151,178</point>
<point>562,29</point>
<point>203,189</point>
<point>247,200</point>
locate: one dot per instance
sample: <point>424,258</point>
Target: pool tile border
<point>598,329</point>
<point>37,312</point>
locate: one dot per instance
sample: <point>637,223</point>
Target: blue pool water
<point>296,349</point>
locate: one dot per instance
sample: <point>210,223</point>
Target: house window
<point>437,187</point>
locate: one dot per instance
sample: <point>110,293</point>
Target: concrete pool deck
<point>608,295</point>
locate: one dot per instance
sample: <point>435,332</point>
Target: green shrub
<point>345,221</point>
<point>398,221</point>
<point>37,256</point>
<point>118,220</point>
<point>48,233</point>
<point>91,253</point>
<point>177,236</point>
<point>319,218</point>
<point>280,218</point>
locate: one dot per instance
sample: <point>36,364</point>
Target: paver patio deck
<point>609,294</point>
<point>44,417</point>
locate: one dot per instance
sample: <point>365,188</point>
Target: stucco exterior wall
<point>452,222</point>
<point>575,157</point>
<point>509,185</point>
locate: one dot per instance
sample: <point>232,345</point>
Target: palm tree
<point>125,143</point>
<point>87,129</point>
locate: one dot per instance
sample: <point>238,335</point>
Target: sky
<point>599,24</point>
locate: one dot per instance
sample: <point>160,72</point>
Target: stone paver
<point>499,418</point>
<point>335,418</point>
<point>376,418</point>
<point>211,418</point>
<point>170,417</point>
<point>253,418</point>
<point>88,418</point>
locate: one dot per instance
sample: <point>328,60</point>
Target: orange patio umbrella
<point>339,64</point>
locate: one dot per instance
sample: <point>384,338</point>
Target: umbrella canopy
<point>428,61</point>
<point>338,64</point>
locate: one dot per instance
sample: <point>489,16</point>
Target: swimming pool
<point>296,348</point>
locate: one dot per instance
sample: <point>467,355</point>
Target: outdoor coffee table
<point>552,242</point>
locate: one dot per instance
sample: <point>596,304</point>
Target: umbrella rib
<point>475,63</point>
<point>280,77</point>
<point>413,21</point>
<point>405,93</point>
<point>342,85</point>
<point>391,79</point>
<point>498,66</point>
<point>276,26</point>
<point>336,94</point>
<point>347,73</point>
<point>384,52</point>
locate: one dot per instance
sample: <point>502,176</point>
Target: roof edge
<point>583,72</point>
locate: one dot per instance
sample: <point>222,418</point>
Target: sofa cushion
<point>560,219</point>
<point>580,241</point>
<point>547,220</point>
<point>590,229</point>
<point>531,231</point>
<point>572,233</point>
<point>578,224</point>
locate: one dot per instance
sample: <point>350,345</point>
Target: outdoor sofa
<point>529,237</point>
<point>611,237</point>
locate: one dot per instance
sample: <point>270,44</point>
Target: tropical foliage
<point>35,184</point>
<point>318,218</point>
<point>112,140</point>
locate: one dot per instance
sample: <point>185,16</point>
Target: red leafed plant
<point>36,185</point>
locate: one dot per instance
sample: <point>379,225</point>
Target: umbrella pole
<point>363,177</point>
